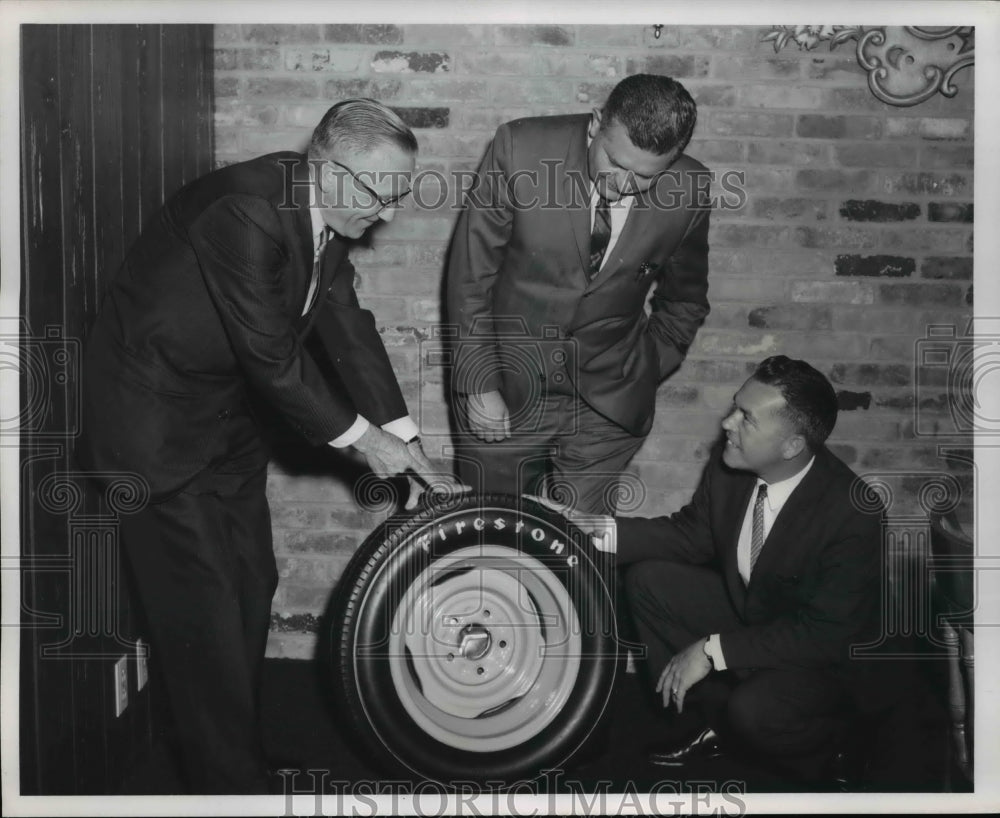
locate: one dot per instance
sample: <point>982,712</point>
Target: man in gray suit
<point>571,224</point>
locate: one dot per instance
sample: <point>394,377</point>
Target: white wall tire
<point>474,641</point>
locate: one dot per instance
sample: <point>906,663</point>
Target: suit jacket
<point>815,588</point>
<point>517,276</point>
<point>206,311</point>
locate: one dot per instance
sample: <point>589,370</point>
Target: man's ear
<point>793,446</point>
<point>595,122</point>
<point>323,173</point>
<point>328,188</point>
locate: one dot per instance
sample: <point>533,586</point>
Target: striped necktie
<point>757,532</point>
<point>600,235</point>
<point>317,267</point>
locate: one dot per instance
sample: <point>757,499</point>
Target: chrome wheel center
<point>470,653</point>
<point>475,642</point>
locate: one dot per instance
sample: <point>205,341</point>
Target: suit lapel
<point>301,270</point>
<point>333,255</point>
<point>793,517</point>
<point>635,223</point>
<point>735,514</point>
<point>576,192</point>
<point>646,215</point>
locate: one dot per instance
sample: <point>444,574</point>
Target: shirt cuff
<point>403,428</point>
<point>605,536</point>
<point>358,428</point>
<point>714,648</point>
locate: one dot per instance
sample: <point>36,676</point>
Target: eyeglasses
<point>382,203</point>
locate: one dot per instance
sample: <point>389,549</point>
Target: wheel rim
<point>484,648</point>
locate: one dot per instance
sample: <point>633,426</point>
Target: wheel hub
<point>484,648</point>
<point>475,642</point>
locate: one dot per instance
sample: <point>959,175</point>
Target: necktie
<point>600,235</point>
<point>757,533</point>
<point>317,266</point>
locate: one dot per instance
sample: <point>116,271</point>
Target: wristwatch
<point>704,647</point>
<point>414,439</point>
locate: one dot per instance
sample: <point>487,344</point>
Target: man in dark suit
<point>571,223</point>
<point>750,598</point>
<point>208,313</point>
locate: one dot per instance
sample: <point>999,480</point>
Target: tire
<point>473,642</point>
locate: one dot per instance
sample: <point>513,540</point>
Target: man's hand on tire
<point>388,455</point>
<point>600,527</point>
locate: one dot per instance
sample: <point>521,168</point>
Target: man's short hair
<point>810,400</point>
<point>360,125</point>
<point>657,112</point>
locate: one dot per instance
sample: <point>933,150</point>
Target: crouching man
<point>750,598</point>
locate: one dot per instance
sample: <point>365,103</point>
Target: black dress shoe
<point>705,745</point>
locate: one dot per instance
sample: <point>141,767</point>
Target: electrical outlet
<point>121,685</point>
<point>141,664</point>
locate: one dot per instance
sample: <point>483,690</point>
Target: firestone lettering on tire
<point>536,533</point>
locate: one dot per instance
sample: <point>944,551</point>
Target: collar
<point>586,165</point>
<point>315,217</point>
<point>779,492</point>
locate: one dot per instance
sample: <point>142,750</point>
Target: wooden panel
<point>110,203</point>
<point>204,91</point>
<point>107,141</point>
<point>113,117</point>
<point>152,123</point>
<point>132,158</point>
<point>174,87</point>
<point>76,170</point>
<point>47,689</point>
<point>76,109</point>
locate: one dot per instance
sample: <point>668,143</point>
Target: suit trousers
<point>562,448</point>
<point>205,573</point>
<point>793,716</point>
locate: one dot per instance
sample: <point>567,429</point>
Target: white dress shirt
<point>777,495</point>
<point>619,215</point>
<point>618,211</point>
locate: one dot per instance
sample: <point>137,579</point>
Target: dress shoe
<point>705,745</point>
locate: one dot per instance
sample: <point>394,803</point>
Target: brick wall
<point>855,238</point>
